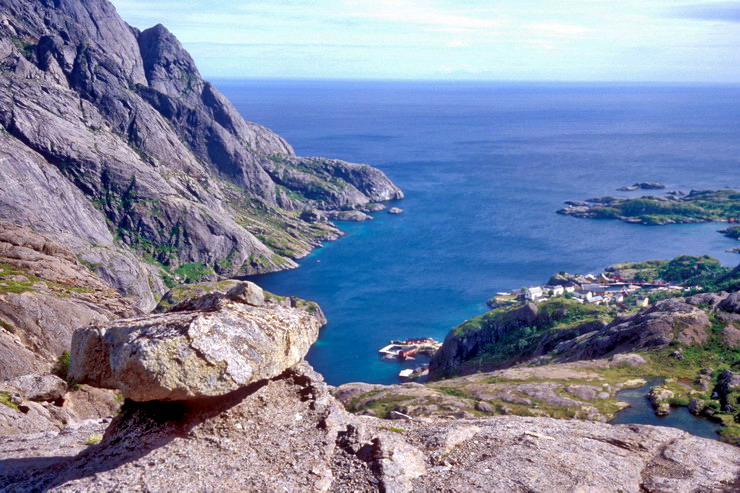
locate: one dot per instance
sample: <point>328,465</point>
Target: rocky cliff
<point>281,430</point>
<point>562,330</point>
<point>112,142</point>
<point>45,294</point>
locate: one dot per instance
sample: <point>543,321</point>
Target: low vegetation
<point>701,206</point>
<point>5,401</point>
<point>94,439</point>
<point>732,232</point>
<point>521,336</point>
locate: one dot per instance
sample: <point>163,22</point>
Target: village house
<point>583,294</point>
<point>534,293</point>
<point>605,279</point>
<point>596,300</point>
<point>555,290</point>
<point>595,288</point>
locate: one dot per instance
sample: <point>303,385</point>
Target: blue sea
<point>484,167</point>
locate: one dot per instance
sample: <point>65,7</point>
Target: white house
<point>555,290</point>
<point>597,300</point>
<point>618,298</point>
<point>534,293</point>
<point>582,295</point>
<point>642,302</point>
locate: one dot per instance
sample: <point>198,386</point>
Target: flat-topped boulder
<point>204,347</point>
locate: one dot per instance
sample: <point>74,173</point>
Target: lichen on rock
<point>203,347</point>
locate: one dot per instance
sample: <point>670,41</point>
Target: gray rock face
<point>654,327</point>
<point>650,328</point>
<point>45,294</point>
<point>43,404</point>
<point>202,347</point>
<point>37,387</point>
<point>110,138</point>
<point>289,434</point>
<point>458,348</point>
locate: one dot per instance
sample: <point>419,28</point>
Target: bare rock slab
<point>206,347</point>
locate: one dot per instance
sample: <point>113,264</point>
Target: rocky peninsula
<point>567,355</point>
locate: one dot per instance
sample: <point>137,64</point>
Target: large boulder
<point>204,347</point>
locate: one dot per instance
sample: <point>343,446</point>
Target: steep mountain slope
<point>111,140</point>
<point>45,294</point>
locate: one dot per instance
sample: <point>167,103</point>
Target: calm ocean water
<point>484,168</point>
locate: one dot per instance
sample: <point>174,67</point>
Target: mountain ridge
<point>153,163</point>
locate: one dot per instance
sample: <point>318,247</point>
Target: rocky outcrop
<point>280,429</point>
<point>40,388</point>
<point>654,327</point>
<point>43,404</point>
<point>111,141</point>
<point>676,320</point>
<point>728,390</point>
<point>289,434</point>
<point>645,185</point>
<point>576,390</point>
<point>45,294</point>
<point>202,347</point>
<point>659,397</point>
<point>461,345</point>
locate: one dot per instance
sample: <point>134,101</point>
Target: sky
<point>535,40</point>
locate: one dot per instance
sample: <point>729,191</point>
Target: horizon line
<point>492,81</point>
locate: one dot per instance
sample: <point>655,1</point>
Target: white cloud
<point>536,39</point>
<point>457,43</point>
<point>414,12</point>
<point>560,29</point>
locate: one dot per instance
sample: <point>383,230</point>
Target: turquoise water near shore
<point>484,168</point>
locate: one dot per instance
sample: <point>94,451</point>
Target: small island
<point>698,206</point>
<point>645,185</point>
<point>732,232</point>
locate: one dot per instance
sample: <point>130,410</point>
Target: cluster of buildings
<point>605,289</point>
<point>407,349</point>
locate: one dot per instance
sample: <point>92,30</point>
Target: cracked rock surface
<point>289,434</point>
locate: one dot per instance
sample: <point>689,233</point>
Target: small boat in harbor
<point>414,374</point>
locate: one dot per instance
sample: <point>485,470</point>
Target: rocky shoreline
<point>698,206</point>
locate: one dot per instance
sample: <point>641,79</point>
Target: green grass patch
<point>5,400</point>
<point>392,429</point>
<point>454,391</point>
<point>94,439</point>
<point>8,327</point>
<point>193,272</point>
